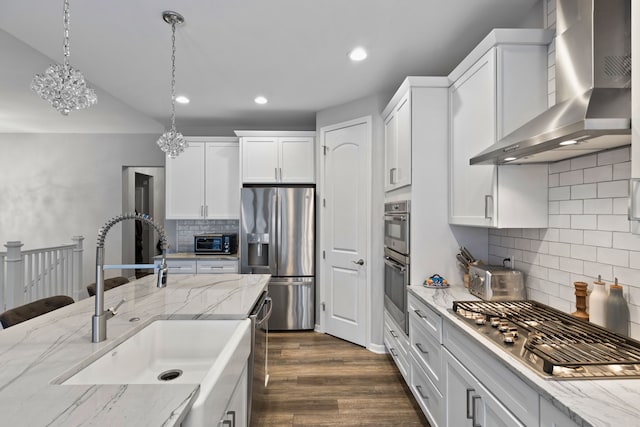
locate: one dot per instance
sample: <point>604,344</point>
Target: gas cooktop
<point>552,343</point>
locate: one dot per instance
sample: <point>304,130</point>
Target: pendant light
<point>172,142</point>
<point>61,85</point>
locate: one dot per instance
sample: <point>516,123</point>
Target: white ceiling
<point>294,52</point>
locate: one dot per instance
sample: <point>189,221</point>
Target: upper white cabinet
<point>277,157</point>
<point>397,142</point>
<point>203,181</point>
<point>500,86</point>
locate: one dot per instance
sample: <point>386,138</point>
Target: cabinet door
<point>185,184</point>
<point>236,412</point>
<point>390,150</point>
<point>403,158</point>
<point>473,128</point>
<point>259,159</point>
<point>222,186</point>
<point>296,160</point>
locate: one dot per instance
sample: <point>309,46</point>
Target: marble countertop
<point>193,255</point>
<point>598,403</point>
<point>35,353</point>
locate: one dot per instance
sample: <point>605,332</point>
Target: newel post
<point>14,291</point>
<point>77,266</point>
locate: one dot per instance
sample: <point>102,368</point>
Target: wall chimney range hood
<point>593,89</point>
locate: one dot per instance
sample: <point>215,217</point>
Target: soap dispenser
<point>598,303</point>
<point>617,313</point>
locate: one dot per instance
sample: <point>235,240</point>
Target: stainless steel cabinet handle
<point>486,206</point>
<point>359,262</point>
<point>633,199</point>
<point>393,333</point>
<point>474,399</point>
<point>276,173</point>
<point>233,417</point>
<point>393,351</point>
<point>419,388</point>
<point>206,210</point>
<point>226,423</point>
<point>422,350</point>
<point>201,210</point>
<point>469,415</point>
<point>420,314</point>
<point>280,174</point>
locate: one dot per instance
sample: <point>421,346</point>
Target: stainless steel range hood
<point>593,88</point>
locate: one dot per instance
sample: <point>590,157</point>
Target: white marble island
<point>34,354</point>
<point>598,403</point>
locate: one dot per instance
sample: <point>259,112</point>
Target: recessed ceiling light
<point>260,100</point>
<point>570,142</point>
<point>509,159</point>
<point>358,54</point>
<point>182,99</point>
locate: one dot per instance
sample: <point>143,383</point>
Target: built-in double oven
<point>396,261</point>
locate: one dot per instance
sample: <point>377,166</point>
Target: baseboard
<point>377,348</point>
<point>317,328</point>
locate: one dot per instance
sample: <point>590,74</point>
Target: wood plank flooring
<point>320,380</point>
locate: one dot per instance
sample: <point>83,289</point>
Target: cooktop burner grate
<point>559,339</point>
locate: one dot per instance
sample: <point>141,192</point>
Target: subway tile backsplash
<point>186,229</point>
<point>588,235</point>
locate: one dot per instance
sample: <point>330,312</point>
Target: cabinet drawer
<point>426,350</point>
<point>217,266</point>
<point>426,317</point>
<point>426,393</point>
<point>397,333</point>
<point>182,266</point>
<point>399,356</point>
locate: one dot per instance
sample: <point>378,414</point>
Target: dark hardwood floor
<point>320,380</point>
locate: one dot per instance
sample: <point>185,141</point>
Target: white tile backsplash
<point>588,234</point>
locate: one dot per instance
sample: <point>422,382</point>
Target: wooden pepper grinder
<point>581,301</point>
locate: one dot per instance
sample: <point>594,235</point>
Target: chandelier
<point>61,85</point>
<point>172,142</point>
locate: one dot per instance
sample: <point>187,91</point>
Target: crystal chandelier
<point>172,142</point>
<point>61,85</point>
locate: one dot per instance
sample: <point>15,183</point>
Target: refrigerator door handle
<point>274,242</point>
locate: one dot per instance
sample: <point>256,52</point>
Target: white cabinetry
<point>235,414</point>
<point>500,86</point>
<point>201,266</point>
<point>480,407</point>
<point>277,157</point>
<point>397,142</point>
<point>397,344</point>
<point>203,181</point>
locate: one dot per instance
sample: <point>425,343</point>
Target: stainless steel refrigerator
<point>277,237</point>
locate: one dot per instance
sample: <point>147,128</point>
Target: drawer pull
<point>393,333</point>
<point>419,388</point>
<point>469,415</point>
<point>393,351</point>
<point>420,314</point>
<point>422,350</point>
<point>473,410</point>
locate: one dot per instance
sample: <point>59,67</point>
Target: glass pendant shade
<point>61,85</point>
<point>172,142</point>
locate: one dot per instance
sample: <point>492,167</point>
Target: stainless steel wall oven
<point>397,261</point>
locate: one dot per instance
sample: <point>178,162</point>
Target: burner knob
<point>503,326</point>
<point>480,320</point>
<point>509,338</point>
<point>514,331</point>
<point>495,321</point>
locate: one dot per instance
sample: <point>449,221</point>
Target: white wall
<point>55,186</point>
<point>369,106</point>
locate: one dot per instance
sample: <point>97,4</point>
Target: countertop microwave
<point>215,243</point>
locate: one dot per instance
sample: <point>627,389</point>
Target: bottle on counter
<point>581,301</point>
<point>598,303</point>
<point>617,313</point>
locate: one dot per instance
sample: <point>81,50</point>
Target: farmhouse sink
<point>211,353</point>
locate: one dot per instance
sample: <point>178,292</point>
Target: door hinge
<point>323,255</point>
<point>323,306</point>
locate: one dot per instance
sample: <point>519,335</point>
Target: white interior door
<point>347,188</point>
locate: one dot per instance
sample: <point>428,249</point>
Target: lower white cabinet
<point>397,344</point>
<point>426,393</point>
<point>469,403</point>
<point>200,266</point>
<point>235,414</point>
<point>550,416</point>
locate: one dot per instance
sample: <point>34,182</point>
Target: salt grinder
<point>581,301</point>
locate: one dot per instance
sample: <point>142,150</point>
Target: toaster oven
<point>496,283</point>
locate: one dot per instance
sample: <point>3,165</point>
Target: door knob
<point>359,262</point>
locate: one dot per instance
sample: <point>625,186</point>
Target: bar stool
<point>33,309</point>
<point>111,283</point>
